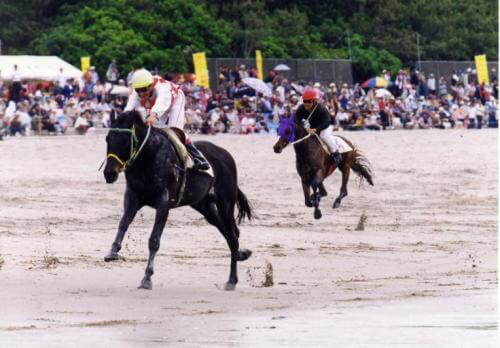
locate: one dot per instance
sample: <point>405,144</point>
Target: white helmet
<point>141,78</point>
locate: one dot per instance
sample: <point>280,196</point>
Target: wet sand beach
<point>420,270</point>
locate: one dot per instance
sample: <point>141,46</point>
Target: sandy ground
<point>422,272</point>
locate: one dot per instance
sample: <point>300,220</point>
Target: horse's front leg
<point>346,170</point>
<point>131,206</point>
<point>307,194</point>
<point>316,197</point>
<point>154,243</point>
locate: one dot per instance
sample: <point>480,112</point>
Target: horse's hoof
<point>317,214</point>
<point>111,257</point>
<point>230,286</point>
<point>336,204</point>
<point>244,254</point>
<point>309,204</point>
<point>146,284</point>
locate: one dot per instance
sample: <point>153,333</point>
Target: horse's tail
<point>244,208</point>
<point>362,167</point>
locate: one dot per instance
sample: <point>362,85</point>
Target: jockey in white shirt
<point>164,103</point>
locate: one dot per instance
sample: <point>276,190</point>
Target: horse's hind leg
<point>322,190</point>
<point>209,210</point>
<point>243,254</point>
<point>346,170</point>
<point>154,245</point>
<point>131,206</point>
<point>225,208</point>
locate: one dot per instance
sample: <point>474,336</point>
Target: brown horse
<point>314,163</point>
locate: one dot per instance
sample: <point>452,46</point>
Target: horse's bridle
<point>134,152</point>
<point>307,125</point>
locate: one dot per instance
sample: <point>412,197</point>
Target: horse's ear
<point>112,116</point>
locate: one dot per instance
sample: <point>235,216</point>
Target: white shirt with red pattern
<point>167,101</point>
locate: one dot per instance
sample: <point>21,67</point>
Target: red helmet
<point>310,94</point>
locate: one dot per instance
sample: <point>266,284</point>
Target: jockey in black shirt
<point>316,118</point>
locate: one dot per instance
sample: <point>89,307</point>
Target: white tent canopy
<point>46,68</point>
<point>120,90</point>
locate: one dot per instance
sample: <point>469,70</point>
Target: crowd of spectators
<point>410,100</point>
<point>53,107</point>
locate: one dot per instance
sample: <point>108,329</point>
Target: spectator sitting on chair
<point>36,113</point>
<point>16,125</point>
<point>3,127</point>
<point>61,122</point>
<point>49,122</point>
<point>82,123</point>
<point>492,117</point>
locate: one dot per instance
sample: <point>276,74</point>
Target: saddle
<point>342,145</point>
<point>178,139</point>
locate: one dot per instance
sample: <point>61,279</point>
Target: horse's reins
<point>133,152</point>
<point>301,139</point>
<point>307,123</point>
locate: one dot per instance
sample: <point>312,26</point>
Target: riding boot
<point>336,158</point>
<point>200,163</point>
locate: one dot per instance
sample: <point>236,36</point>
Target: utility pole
<point>418,52</point>
<point>349,44</point>
<point>246,43</point>
<point>245,55</point>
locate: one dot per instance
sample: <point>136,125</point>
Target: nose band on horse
<point>134,152</point>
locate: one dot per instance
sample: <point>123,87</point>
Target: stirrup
<point>199,165</point>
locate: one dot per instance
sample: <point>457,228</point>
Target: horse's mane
<point>132,116</point>
<point>298,124</point>
<point>133,113</point>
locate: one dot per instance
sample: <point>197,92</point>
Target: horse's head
<point>122,143</point>
<point>286,132</point>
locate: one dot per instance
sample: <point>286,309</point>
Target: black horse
<point>154,175</point>
<point>314,164</point>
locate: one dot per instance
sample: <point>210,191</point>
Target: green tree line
<point>375,34</point>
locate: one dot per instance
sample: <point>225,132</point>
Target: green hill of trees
<point>375,34</point>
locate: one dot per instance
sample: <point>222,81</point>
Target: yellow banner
<point>258,60</point>
<point>482,69</point>
<point>85,61</point>
<point>200,69</point>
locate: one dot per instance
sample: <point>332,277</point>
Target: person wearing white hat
<point>164,103</point>
<point>94,76</point>
<point>431,84</point>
